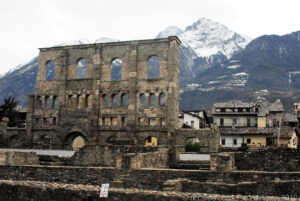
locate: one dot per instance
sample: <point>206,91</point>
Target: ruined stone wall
<point>200,181</point>
<point>208,138</point>
<point>264,160</point>
<point>29,190</point>
<point>68,106</point>
<point>18,158</point>
<point>120,156</point>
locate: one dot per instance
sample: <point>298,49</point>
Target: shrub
<point>192,147</point>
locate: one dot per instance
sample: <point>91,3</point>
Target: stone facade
<point>69,112</point>
<point>95,107</point>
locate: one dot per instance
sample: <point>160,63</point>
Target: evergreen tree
<point>8,109</point>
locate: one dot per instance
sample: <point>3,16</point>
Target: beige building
<point>255,124</point>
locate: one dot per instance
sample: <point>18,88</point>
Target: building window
<point>152,100</point>
<point>50,70</point>
<point>105,101</point>
<point>153,67</point>
<point>240,109</point>
<point>162,99</point>
<point>248,140</point>
<point>142,101</point>
<point>221,122</point>
<point>234,141</point>
<point>115,99</point>
<point>124,99</point>
<point>234,121</point>
<point>223,141</point>
<point>116,69</point>
<point>223,110</point>
<point>274,123</point>
<point>81,68</point>
<point>248,122</point>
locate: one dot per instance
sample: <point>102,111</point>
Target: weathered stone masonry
<point>66,107</point>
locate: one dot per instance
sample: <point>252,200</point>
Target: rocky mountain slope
<point>269,67</point>
<point>204,43</point>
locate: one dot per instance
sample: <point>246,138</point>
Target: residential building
<point>254,123</point>
<point>195,119</point>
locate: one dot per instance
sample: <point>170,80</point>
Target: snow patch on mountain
<point>18,67</point>
<point>74,42</point>
<point>106,40</point>
<point>208,37</point>
<point>234,66</point>
<point>169,31</point>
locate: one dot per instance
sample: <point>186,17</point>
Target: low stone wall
<point>18,158</point>
<point>222,162</point>
<point>269,160</point>
<point>157,159</point>
<point>121,156</point>
<point>209,138</point>
<point>263,160</point>
<point>28,191</point>
<point>156,179</point>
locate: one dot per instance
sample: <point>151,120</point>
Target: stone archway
<point>75,141</point>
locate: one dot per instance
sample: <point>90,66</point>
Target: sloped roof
<point>247,131</point>
<point>234,104</point>
<point>290,117</point>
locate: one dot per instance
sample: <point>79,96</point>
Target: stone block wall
<point>280,159</point>
<point>275,160</point>
<point>29,190</point>
<point>196,181</point>
<point>222,162</point>
<point>121,156</point>
<point>18,158</point>
<point>68,106</point>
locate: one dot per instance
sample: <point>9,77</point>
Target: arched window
<point>152,100</point>
<point>47,102</point>
<point>87,100</point>
<point>162,99</point>
<point>81,68</point>
<point>142,101</point>
<point>116,69</point>
<point>50,70</point>
<point>78,102</point>
<point>39,102</point>
<point>105,101</point>
<point>153,67</point>
<point>55,102</point>
<point>124,99</point>
<point>114,98</point>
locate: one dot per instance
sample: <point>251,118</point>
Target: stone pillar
<point>132,100</point>
<point>173,67</point>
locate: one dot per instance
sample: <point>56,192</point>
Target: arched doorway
<point>75,141</point>
<point>78,143</point>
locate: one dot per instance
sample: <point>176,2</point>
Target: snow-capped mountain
<point>207,38</point>
<point>204,43</point>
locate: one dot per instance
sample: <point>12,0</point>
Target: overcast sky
<point>28,25</point>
